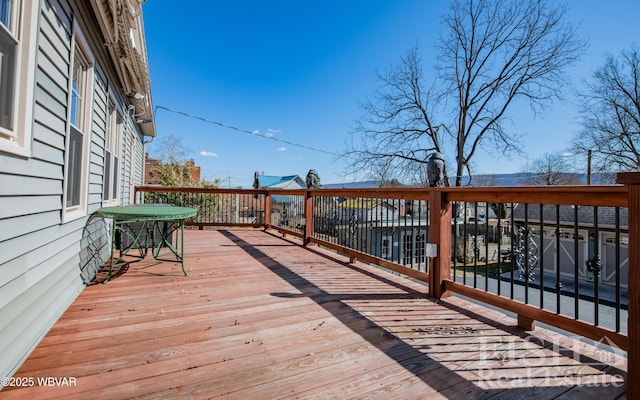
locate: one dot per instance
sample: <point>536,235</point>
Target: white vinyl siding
<point>43,244</point>
<point>18,27</point>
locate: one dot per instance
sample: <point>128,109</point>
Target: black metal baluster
<point>576,282</point>
<point>390,230</point>
<point>557,254</point>
<point>465,244</point>
<point>541,255</point>
<point>499,234</point>
<point>527,265</point>
<point>412,235</point>
<point>512,235</point>
<point>617,263</point>
<point>454,228</point>
<point>486,246</point>
<point>474,243</point>
<point>595,267</point>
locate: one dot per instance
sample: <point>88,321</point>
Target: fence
<point>558,255</point>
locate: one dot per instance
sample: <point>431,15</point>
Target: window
<point>78,89</point>
<point>420,248</point>
<point>132,166</point>
<point>408,249</point>
<point>77,129</point>
<point>78,138</point>
<point>110,191</point>
<point>18,26</point>
<point>8,55</point>
<point>386,247</point>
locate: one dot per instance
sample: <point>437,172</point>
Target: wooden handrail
<point>440,233</point>
<point>603,195</point>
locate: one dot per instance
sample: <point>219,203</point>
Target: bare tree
<point>494,52</point>
<point>611,114</point>
<point>550,169</point>
<point>497,52</point>
<point>174,169</point>
<point>396,132</point>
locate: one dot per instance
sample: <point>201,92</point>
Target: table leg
<point>165,233</point>
<point>125,230</point>
<point>113,247</point>
<point>182,247</point>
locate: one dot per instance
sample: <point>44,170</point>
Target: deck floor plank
<point>261,317</point>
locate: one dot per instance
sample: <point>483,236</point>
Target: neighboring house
<point>150,165</point>
<point>286,211</point>
<point>281,182</point>
<point>367,210</point>
<point>388,229</point>
<point>578,228</point>
<point>75,107</point>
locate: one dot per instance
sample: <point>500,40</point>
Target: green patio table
<point>137,223</point>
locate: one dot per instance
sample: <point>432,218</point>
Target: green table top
<point>141,212</point>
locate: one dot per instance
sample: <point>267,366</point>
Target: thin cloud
<point>208,154</point>
<point>281,149</point>
<point>271,132</point>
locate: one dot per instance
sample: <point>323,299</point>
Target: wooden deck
<point>261,318</point>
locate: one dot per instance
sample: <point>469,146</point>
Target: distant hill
<point>353,185</point>
<point>514,179</point>
<point>523,179</point>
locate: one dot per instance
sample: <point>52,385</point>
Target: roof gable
<point>281,182</point>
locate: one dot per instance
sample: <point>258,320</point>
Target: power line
<point>254,133</point>
<point>514,176</point>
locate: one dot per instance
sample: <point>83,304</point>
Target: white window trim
<point>132,164</point>
<point>385,250</point>
<point>116,149</point>
<point>408,248</point>
<point>79,211</point>
<point>19,143</point>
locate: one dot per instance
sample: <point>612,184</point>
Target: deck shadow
<point>413,358</point>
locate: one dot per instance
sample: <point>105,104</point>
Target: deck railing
<point>563,256</point>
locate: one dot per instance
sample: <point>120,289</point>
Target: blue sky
<point>295,71</point>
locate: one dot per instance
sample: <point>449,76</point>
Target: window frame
<point>132,135</point>
<point>386,242</point>
<point>420,248</point>
<point>76,172</point>
<point>112,154</point>
<point>24,29</point>
<point>408,249</point>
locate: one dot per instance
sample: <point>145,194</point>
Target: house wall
<point>43,255</point>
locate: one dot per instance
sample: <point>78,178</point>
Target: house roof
<point>281,182</point>
<point>567,215</point>
<point>122,26</point>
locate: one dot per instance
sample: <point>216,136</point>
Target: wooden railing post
<point>308,217</point>
<point>632,181</point>
<point>267,210</point>
<point>440,235</point>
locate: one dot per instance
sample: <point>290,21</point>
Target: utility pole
<point>589,167</point>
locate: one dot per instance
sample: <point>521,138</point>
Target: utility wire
<point>514,176</point>
<point>254,133</point>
